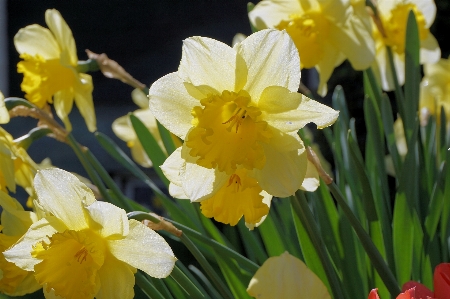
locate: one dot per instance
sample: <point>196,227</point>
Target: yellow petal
<point>123,129</point>
<point>15,220</point>
<point>112,220</point>
<point>206,61</point>
<point>283,173</point>
<point>267,199</point>
<point>37,40</point>
<point>63,102</point>
<point>286,276</point>
<point>139,155</point>
<point>144,249</point>
<point>20,253</point>
<point>305,111</point>
<point>331,59</point>
<point>272,59</point>
<point>4,114</point>
<point>6,162</point>
<point>170,101</point>
<point>83,99</point>
<point>62,34</point>
<point>62,194</point>
<point>116,279</point>
<point>269,13</point>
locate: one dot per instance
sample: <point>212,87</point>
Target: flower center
<point>239,197</point>
<point>308,31</point>
<point>70,263</point>
<point>395,26</point>
<point>228,132</point>
<point>43,78</point>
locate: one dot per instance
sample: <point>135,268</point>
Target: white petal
<point>272,60</point>
<point>111,220</point>
<point>171,104</point>
<point>144,249</point>
<point>62,194</point>
<point>20,253</point>
<point>206,61</point>
<point>139,98</point>
<point>429,50</point>
<point>35,39</point>
<point>171,167</point>
<point>4,114</point>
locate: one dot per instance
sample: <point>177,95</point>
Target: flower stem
<point>377,260</point>
<point>303,212</point>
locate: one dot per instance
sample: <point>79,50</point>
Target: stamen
<point>81,255</point>
<point>236,119</point>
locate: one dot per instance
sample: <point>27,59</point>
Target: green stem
<point>303,212</point>
<point>184,282</point>
<point>108,180</point>
<point>93,175</point>
<point>377,260</point>
<point>147,287</point>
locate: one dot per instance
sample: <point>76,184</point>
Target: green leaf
<point>151,147</point>
<point>271,236</point>
<point>388,125</point>
<point>34,134</point>
<point>253,245</point>
<point>166,137</point>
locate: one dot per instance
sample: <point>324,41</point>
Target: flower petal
<point>170,101</point>
<point>177,191</point>
<point>442,280</point>
<point>139,98</point>
<point>83,99</point>
<point>374,294</point>
<point>305,111</point>
<point>272,60</point>
<point>62,194</point>
<point>139,155</point>
<point>429,50</point>
<point>14,219</point>
<point>144,249</point>
<point>20,253</point>
<point>267,199</point>
<point>62,34</point>
<point>171,167</point>
<point>312,180</point>
<point>283,172</point>
<point>206,61</point>
<point>35,39</point>
<point>269,13</point>
<point>123,129</point>
<point>325,67</point>
<point>112,220</point>
<point>63,102</point>
<point>4,114</point>
<point>116,279</point>
<point>286,276</point>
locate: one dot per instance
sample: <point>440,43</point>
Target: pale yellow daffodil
<point>16,166</point>
<point>393,15</point>
<point>435,89</point>
<point>286,277</point>
<point>325,32</point>
<point>238,111</point>
<point>4,114</point>
<point>123,129</point>
<point>15,221</point>
<point>49,67</point>
<point>83,248</point>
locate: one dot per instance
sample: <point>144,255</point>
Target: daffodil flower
<point>83,248</point>
<point>325,32</point>
<point>435,89</point>
<point>14,281</point>
<point>238,111</point>
<point>49,69</point>
<point>286,276</point>
<point>393,15</point>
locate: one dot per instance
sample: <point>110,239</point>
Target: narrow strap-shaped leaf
<point>186,283</point>
<point>271,237</point>
<point>166,138</point>
<point>148,288</point>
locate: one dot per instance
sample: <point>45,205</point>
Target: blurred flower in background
<point>324,32</point>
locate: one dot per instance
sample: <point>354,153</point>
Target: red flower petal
<point>442,281</point>
<point>373,294</point>
<point>422,292</point>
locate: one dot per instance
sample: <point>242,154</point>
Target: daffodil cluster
<point>80,247</point>
<point>238,112</point>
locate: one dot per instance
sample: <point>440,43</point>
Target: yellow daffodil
<point>286,277</point>
<point>83,248</point>
<point>325,32</point>
<point>393,16</point>
<point>435,89</point>
<point>4,114</point>
<point>14,281</point>
<point>49,69</point>
<point>123,129</point>
<point>16,166</point>
<point>238,111</point>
